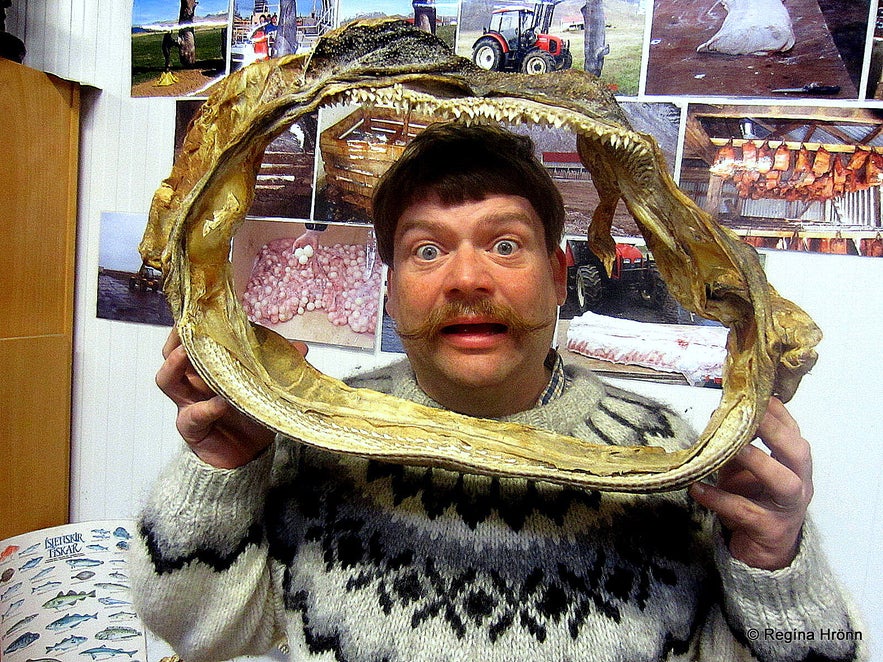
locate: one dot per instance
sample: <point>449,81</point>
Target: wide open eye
<point>505,247</point>
<point>428,252</point>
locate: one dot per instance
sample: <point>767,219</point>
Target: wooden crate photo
<point>358,149</point>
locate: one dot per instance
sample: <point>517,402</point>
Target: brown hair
<point>459,162</point>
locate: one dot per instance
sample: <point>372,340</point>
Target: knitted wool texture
<point>354,560</point>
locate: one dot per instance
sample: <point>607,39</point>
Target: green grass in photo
<point>624,34</point>
<point>147,55</point>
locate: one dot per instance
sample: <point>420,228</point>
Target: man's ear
<point>558,261</point>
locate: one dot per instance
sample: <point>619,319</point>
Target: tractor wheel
<point>538,62</point>
<point>488,54</point>
<point>589,287</point>
<point>566,61</point>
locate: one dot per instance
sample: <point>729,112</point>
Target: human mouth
<point>474,329</point>
<point>473,335</point>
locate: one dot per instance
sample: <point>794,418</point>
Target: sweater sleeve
<point>201,576</point>
<point>796,613</point>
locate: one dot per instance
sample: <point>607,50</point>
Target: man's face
<point>480,274</point>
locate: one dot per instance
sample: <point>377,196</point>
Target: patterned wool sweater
<point>340,558</point>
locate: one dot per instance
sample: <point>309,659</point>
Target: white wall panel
<point>839,407</point>
<point>123,431</point>
<point>66,37</point>
<point>123,428</point>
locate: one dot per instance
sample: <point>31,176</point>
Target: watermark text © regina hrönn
<point>787,636</point>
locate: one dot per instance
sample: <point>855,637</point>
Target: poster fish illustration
<point>123,616</point>
<point>83,563</point>
<point>8,551</point>
<point>59,615</point>
<point>42,573</point>
<point>15,588</point>
<point>66,644</point>
<point>104,653</point>
<point>45,587</point>
<point>70,621</point>
<point>32,563</point>
<point>20,624</point>
<point>117,633</point>
<point>22,642</point>
<point>68,599</point>
<point>15,605</point>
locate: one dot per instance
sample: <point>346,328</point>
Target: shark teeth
<point>507,110</point>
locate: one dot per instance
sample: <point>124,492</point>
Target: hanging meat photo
<point>726,155</point>
<point>872,246</point>
<point>764,159</point>
<point>772,184</point>
<point>856,175</point>
<point>839,175</point>
<point>803,171</point>
<point>822,162</point>
<point>761,170</point>
<point>823,189</point>
<point>874,169</point>
<point>749,155</point>
<point>748,187</point>
<point>801,178</point>
<point>782,158</point>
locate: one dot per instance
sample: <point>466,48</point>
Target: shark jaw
<point>197,209</point>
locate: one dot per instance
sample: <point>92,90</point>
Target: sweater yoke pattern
<point>477,561</point>
<point>413,575</point>
<point>357,560</point>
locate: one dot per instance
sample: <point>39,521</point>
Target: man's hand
<point>308,238</point>
<point>762,499</point>
<point>219,434</point>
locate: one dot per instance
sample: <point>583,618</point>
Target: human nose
<point>468,274</point>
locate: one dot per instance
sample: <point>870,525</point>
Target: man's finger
<point>171,374</point>
<point>198,382</point>
<point>172,341</point>
<point>784,488</point>
<point>195,421</point>
<point>177,378</point>
<point>730,508</point>
<point>780,433</point>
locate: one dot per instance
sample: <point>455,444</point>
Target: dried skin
<point>197,210</point>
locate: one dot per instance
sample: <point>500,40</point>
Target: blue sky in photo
<point>145,12</point>
<point>246,7</point>
<point>118,245</point>
<point>351,8</point>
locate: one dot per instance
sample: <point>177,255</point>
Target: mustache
<point>516,324</point>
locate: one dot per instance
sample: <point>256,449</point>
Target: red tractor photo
<point>517,39</point>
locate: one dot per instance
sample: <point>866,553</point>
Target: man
<point>249,541</point>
